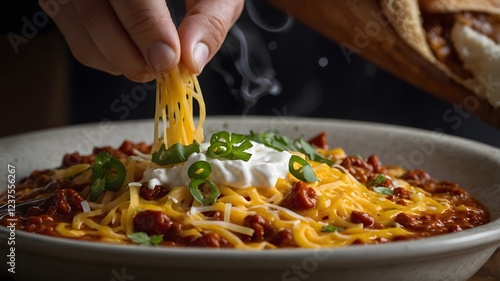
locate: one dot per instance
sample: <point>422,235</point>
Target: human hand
<point>137,38</point>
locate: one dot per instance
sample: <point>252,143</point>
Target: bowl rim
<point>477,238</point>
<point>365,125</point>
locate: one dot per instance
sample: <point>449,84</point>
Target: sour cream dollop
<point>262,170</point>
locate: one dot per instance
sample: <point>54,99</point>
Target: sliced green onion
<point>194,188</point>
<point>110,169</point>
<point>115,180</point>
<point>108,173</point>
<point>218,149</point>
<point>223,136</point>
<point>177,153</point>
<point>304,172</point>
<point>199,170</point>
<point>229,146</point>
<point>239,151</point>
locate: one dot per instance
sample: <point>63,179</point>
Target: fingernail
<point>161,56</point>
<point>200,55</point>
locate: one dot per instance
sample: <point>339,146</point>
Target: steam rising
<point>254,85</point>
<point>251,59</point>
<point>254,16</point>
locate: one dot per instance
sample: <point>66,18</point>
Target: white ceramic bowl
<point>448,257</point>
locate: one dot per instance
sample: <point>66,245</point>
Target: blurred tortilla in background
<point>393,35</point>
<point>459,37</point>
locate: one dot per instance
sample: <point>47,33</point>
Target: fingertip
<point>162,57</point>
<point>144,76</point>
<point>114,72</point>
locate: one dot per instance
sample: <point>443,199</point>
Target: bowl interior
<point>473,165</point>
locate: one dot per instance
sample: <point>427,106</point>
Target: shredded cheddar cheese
<point>339,194</point>
<point>326,224</point>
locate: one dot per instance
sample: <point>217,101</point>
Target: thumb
<point>204,29</point>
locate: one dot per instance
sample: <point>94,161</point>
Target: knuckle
<point>92,15</point>
<point>88,58</point>
<point>141,20</point>
<point>218,26</point>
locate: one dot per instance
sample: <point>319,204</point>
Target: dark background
<point>315,79</point>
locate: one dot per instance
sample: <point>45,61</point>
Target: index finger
<point>150,26</point>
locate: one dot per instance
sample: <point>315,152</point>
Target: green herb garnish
<point>108,173</point>
<point>383,190</point>
<point>300,169</point>
<point>378,180</point>
<point>177,153</point>
<point>145,240</point>
<point>282,143</point>
<point>96,189</point>
<point>331,228</point>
